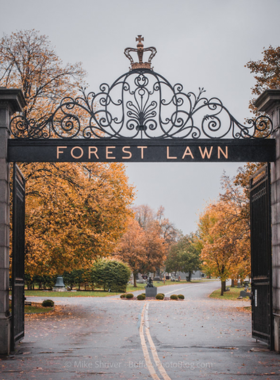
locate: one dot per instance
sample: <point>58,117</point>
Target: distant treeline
<point>105,274</point>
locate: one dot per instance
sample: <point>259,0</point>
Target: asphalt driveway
<point>109,338</point>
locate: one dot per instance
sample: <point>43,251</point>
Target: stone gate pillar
<point>11,100</point>
<point>269,102</point>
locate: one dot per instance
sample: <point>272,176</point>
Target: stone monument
<point>150,289</point>
<point>59,286</point>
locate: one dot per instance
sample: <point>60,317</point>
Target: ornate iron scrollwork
<point>140,104</point>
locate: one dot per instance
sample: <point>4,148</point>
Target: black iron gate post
<point>262,323</point>
<point>269,102</point>
<point>18,257</point>
<point>11,100</point>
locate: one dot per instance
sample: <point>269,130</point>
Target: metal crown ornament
<point>140,51</point>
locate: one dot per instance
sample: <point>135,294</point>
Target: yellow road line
<point>155,355</point>
<point>145,348</point>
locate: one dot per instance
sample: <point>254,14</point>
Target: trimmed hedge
<point>48,303</point>
<point>129,295</point>
<point>173,297</point>
<point>181,297</point>
<point>141,297</point>
<point>122,296</point>
<point>160,296</point>
<point>111,274</point>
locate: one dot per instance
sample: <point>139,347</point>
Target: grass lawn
<point>99,292</point>
<point>37,309</point>
<point>130,288</point>
<point>233,294</point>
<point>50,294</point>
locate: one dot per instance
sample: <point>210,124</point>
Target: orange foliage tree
<point>27,61</point>
<point>143,246</point>
<point>75,213</point>
<point>224,236</point>
<point>266,72</point>
<point>132,248</point>
<point>73,218</point>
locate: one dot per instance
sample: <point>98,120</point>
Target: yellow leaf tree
<point>75,213</point>
<point>224,241</point>
<point>132,248</point>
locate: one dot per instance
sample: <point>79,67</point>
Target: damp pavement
<point>110,338</point>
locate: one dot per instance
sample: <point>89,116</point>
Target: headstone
<point>142,281</point>
<point>243,293</point>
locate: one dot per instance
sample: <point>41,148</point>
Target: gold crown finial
<point>140,51</point>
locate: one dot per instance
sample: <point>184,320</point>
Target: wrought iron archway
<point>141,117</point>
<point>142,106</point>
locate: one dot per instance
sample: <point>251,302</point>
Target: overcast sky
<point>200,43</point>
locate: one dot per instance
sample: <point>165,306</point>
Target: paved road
<point>108,338</point>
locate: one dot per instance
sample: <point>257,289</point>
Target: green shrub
<point>173,297</point>
<point>111,274</point>
<point>160,296</point>
<point>181,297</point>
<point>48,303</point>
<point>129,295</point>
<point>141,297</point>
<point>122,296</point>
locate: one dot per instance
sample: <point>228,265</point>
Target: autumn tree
<point>160,235</point>
<point>266,72</point>
<point>73,218</point>
<point>224,242</point>
<point>143,246</point>
<point>146,217</point>
<point>131,248</point>
<point>159,230</point>
<point>27,61</point>
<point>267,75</point>
<point>156,249</point>
<point>168,231</point>
<point>74,212</point>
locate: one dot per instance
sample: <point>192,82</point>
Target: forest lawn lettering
<point>145,153</point>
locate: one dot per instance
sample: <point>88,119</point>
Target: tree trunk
<point>134,280</point>
<point>232,283</point>
<point>223,287</point>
